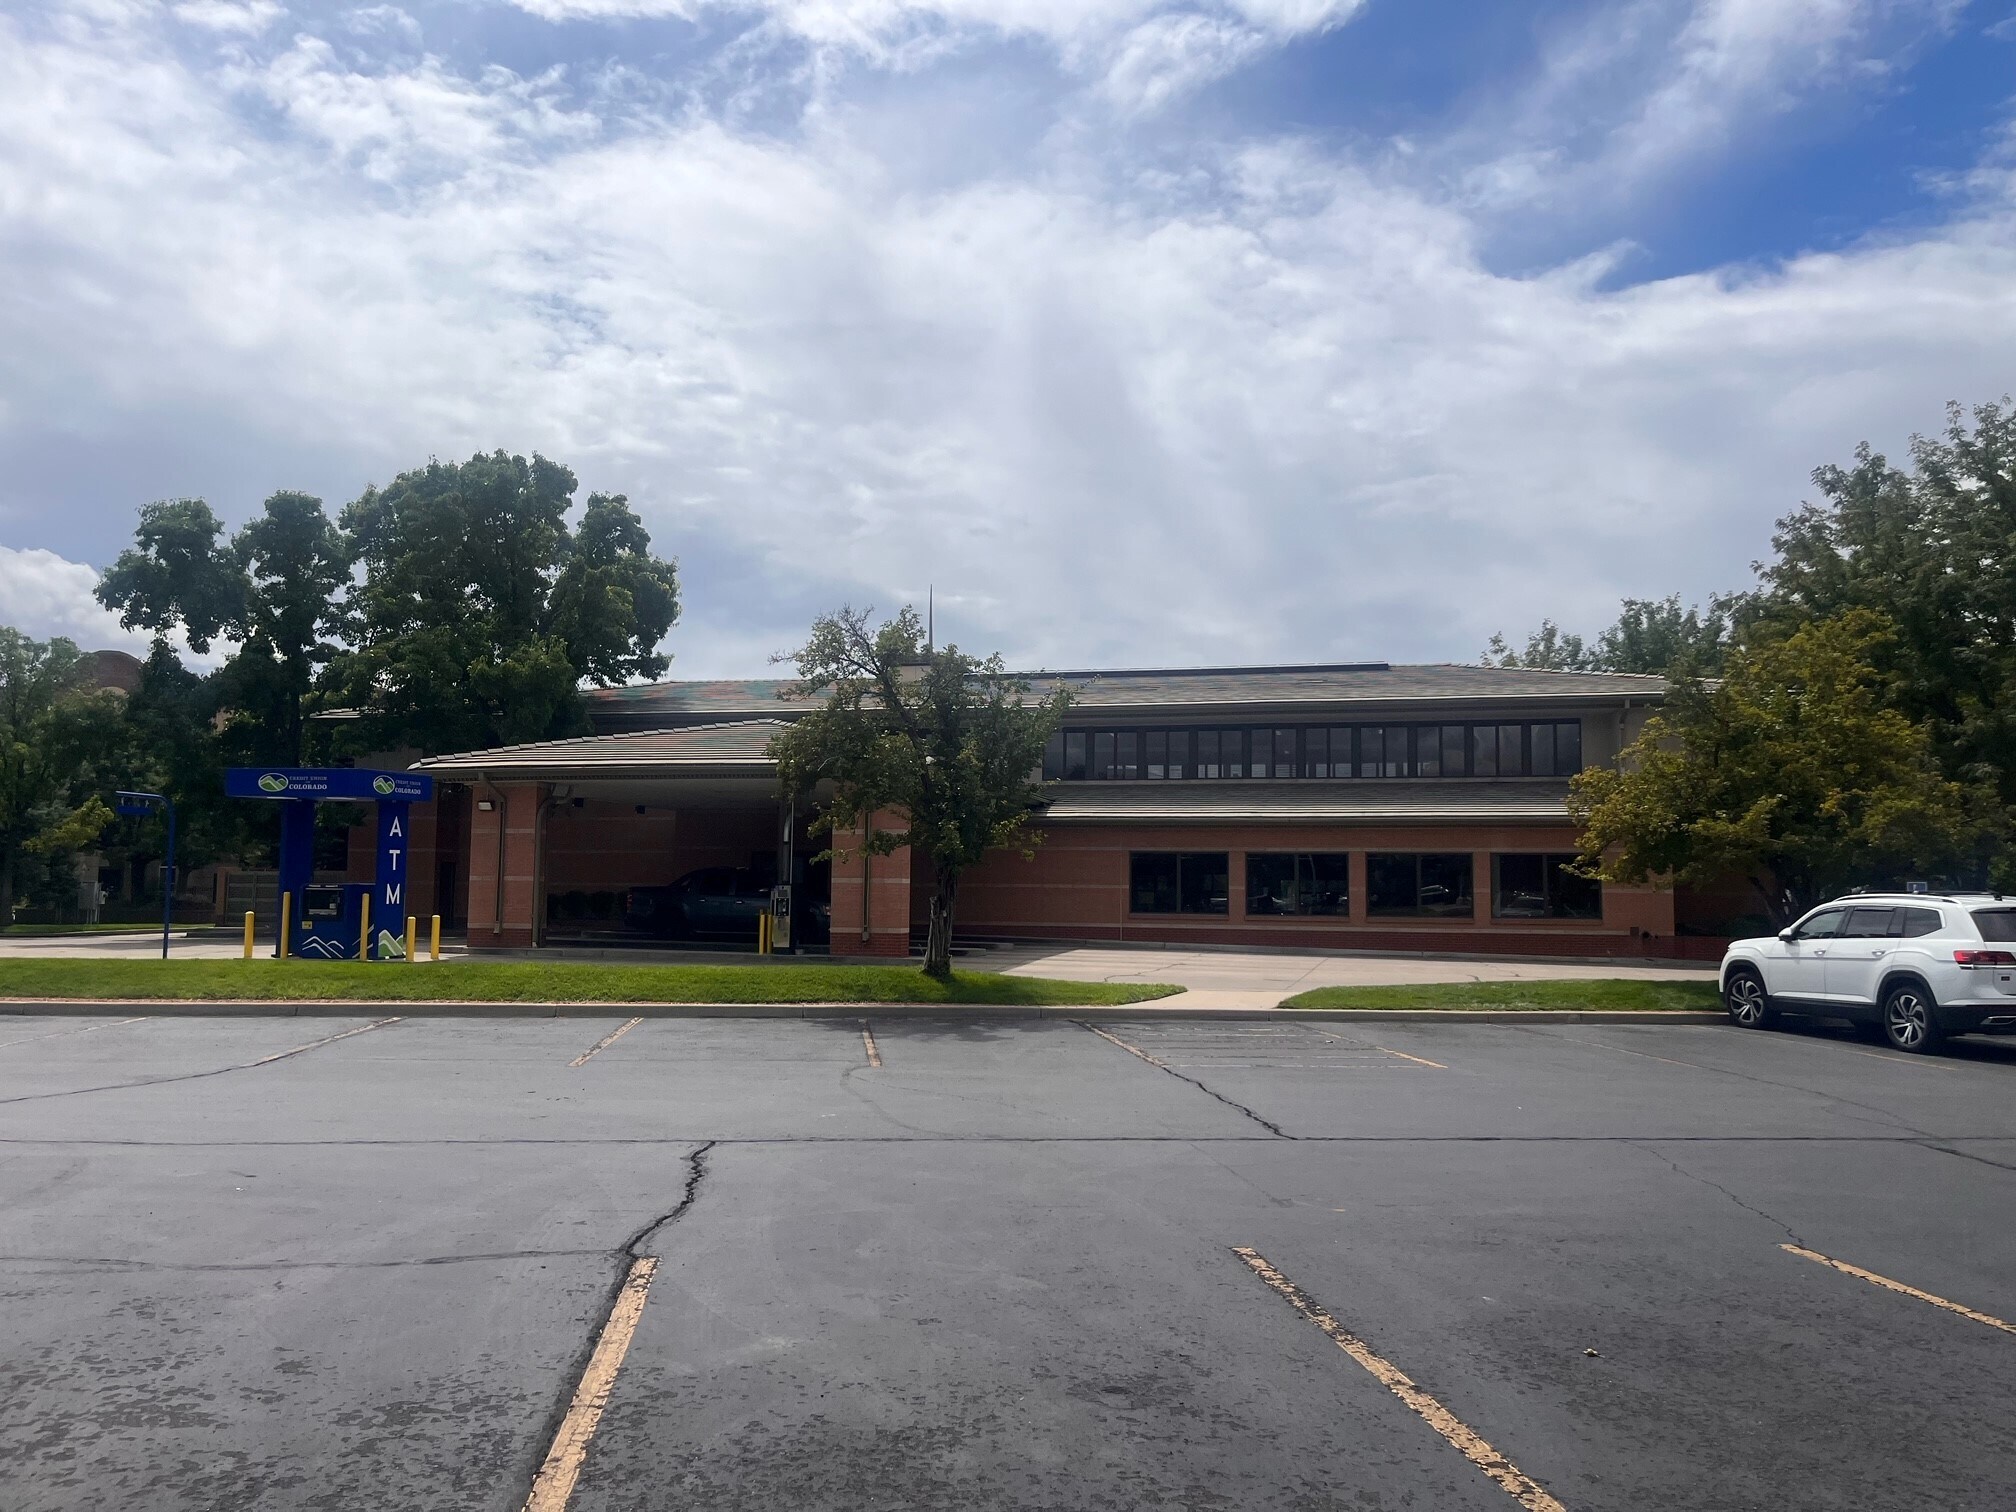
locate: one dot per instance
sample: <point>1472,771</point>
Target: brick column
<point>1361,889</point>
<point>1480,888</point>
<point>881,884</point>
<point>514,810</point>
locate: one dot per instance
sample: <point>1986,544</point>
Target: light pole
<point>137,804</point>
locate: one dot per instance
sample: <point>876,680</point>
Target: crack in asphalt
<point>696,1172</point>
<point>1882,1115</point>
<point>2000,1165</point>
<point>623,1257</point>
<point>1141,1055</point>
<point>188,1076</point>
<point>1679,1170</point>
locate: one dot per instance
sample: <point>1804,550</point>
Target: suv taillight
<point>1984,958</point>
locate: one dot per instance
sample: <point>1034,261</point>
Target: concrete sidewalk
<point>1260,980</point>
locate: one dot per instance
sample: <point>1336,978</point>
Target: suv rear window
<point>1996,923</point>
<point>1922,921</point>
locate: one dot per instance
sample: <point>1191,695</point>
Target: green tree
<point>481,613</point>
<point>1548,649</point>
<point>946,740</point>
<point>1930,549</point>
<point>1794,770</point>
<point>1663,635</point>
<point>1648,635</point>
<point>272,588</point>
<point>177,572</point>
<point>60,742</point>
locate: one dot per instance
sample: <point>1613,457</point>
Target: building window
<point>1127,764</point>
<point>1208,764</point>
<point>1074,755</point>
<point>1542,887</point>
<point>1454,751</point>
<point>1549,749</point>
<point>1285,754</point>
<point>1429,885</point>
<point>1382,751</point>
<point>1191,882</point>
<point>1557,748</point>
<point>1310,884</point>
<point>1102,755</point>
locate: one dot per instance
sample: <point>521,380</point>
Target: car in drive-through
<point>1916,967</point>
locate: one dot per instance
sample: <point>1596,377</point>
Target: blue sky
<point>1149,331</point>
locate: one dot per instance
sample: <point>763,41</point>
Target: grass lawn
<point>1605,993</point>
<point>542,982</point>
<point>36,931</point>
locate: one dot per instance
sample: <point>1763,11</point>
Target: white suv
<point>1919,966</point>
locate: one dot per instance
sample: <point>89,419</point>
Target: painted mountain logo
<point>272,782</point>
<point>383,785</point>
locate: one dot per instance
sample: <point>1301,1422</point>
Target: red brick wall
<point>515,808</point>
<point>1077,888</point>
<point>885,882</point>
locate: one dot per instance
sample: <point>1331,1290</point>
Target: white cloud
<point>45,595</point>
<point>1644,89</point>
<point>1095,37</point>
<point>1275,407</point>
<point>1171,55</point>
<point>250,18</point>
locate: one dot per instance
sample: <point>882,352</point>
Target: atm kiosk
<point>327,922</point>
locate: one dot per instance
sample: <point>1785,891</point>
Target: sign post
<point>298,790</point>
<point>142,804</point>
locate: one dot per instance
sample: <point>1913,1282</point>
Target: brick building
<point>1360,806</point>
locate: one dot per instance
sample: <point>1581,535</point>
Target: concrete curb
<point>97,1007</point>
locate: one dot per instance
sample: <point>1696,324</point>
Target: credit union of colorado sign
<point>314,783</point>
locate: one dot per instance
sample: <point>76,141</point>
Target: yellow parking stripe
<point>1432,1065</point>
<point>1524,1490</point>
<point>1114,1039</point>
<point>327,1039</point>
<point>1896,1286</point>
<point>868,1044</point>
<point>60,1033</point>
<point>553,1486</point>
<point>605,1042</point>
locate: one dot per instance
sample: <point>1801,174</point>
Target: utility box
<point>331,924</point>
<point>780,916</point>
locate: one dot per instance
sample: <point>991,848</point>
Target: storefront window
<point>1426,885</point>
<point>1191,882</point>
<point>1304,884</point>
<point>1542,887</point>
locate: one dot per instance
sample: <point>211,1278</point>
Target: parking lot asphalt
<point>365,1263</point>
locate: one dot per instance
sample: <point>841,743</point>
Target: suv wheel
<point>1911,1019</point>
<point>1748,1003</point>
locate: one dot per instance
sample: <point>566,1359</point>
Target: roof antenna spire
<point>930,616</point>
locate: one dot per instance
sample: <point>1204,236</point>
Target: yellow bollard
<point>248,934</point>
<point>286,918</point>
<point>364,932</point>
<point>434,948</point>
<point>412,930</point>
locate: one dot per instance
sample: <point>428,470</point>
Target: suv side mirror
<point>1789,935</point>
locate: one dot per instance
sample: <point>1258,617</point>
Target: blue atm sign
<point>312,783</point>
